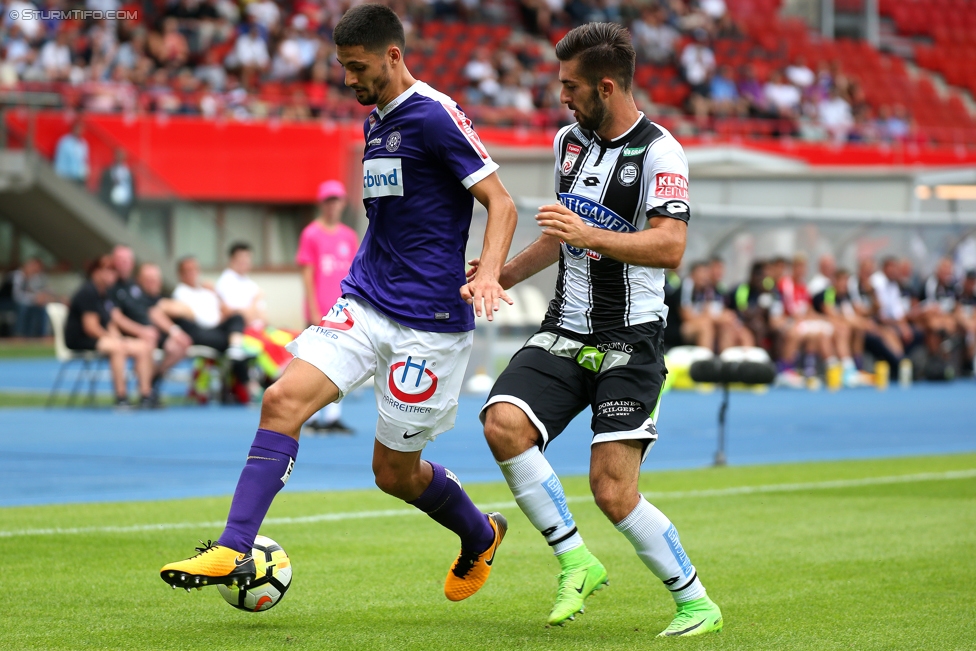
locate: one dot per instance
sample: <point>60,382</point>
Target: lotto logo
<point>464,124</point>
<point>668,185</point>
<point>415,383</point>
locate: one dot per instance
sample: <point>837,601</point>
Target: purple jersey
<point>421,157</point>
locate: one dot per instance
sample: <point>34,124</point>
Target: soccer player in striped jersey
<point>621,220</point>
<point>405,315</point>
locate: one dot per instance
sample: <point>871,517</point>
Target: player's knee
<point>614,499</point>
<point>392,482</point>
<point>277,404</point>
<point>508,431</point>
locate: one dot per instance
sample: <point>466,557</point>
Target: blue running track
<point>87,455</point>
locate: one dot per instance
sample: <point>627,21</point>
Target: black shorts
<point>617,373</point>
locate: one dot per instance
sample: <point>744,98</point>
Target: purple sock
<point>268,467</point>
<point>448,505</point>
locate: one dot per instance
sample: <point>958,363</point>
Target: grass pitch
<point>815,558</point>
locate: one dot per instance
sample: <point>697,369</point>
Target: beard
<point>372,95</point>
<point>596,114</point>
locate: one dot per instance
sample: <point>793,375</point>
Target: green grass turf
<point>21,348</point>
<point>865,567</point>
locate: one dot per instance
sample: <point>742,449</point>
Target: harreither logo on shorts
<point>411,381</point>
<point>382,177</point>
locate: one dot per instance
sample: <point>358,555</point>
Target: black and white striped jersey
<point>619,185</point>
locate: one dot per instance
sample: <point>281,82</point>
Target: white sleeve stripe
<point>486,171</point>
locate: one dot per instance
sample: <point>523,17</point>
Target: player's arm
<point>484,287</point>
<point>661,245</point>
<point>527,263</point>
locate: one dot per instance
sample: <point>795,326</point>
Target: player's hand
<point>559,221</point>
<point>470,273</point>
<point>484,293</point>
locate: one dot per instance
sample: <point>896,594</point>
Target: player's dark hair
<point>375,27</point>
<point>603,50</point>
<point>237,247</point>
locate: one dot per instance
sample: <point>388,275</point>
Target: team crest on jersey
<point>628,174</point>
<point>572,153</point>
<point>393,142</point>
<point>411,381</point>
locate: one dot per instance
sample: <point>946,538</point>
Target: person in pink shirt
<point>326,249</point>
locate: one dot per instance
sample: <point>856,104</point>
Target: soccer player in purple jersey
<point>401,317</point>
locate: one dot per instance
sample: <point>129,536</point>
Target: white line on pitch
<point>359,515</point>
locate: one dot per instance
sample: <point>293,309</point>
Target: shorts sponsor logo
<point>617,408</point>
<point>668,185</point>
<point>572,153</point>
<point>382,177</point>
<point>338,317</point>
<point>622,346</point>
<point>405,387</point>
<point>464,124</point>
<point>374,141</point>
<point>393,142</point>
<point>628,174</point>
<point>405,408</point>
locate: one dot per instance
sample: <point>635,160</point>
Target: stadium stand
<point>265,59</point>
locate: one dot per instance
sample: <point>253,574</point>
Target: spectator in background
<point>71,155</point>
<point>250,53</point>
<point>54,59</point>
<point>326,249</point>
<point>799,74</point>
<point>751,91</point>
<point>939,309</point>
<point>144,305</point>
<point>967,316</point>
<point>705,320</point>
<point>90,327</point>
<point>835,116</point>
<point>117,188</point>
<point>654,39</point>
<point>752,301</point>
<point>698,63</point>
<point>825,277</point>
<point>238,293</point>
<point>782,97</point>
<point>723,95</point>
<point>30,296</point>
<point>890,308</point>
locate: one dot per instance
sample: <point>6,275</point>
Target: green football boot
<point>582,575</point>
<point>695,618</point>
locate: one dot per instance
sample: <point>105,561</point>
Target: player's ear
<point>394,55</point>
<point>606,87</point>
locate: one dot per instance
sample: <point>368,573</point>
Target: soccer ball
<point>271,579</point>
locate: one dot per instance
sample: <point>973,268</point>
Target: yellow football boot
<point>471,570</point>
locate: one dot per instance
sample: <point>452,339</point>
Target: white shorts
<point>418,374</point>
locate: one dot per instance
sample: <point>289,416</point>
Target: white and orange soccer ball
<point>271,580</point>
